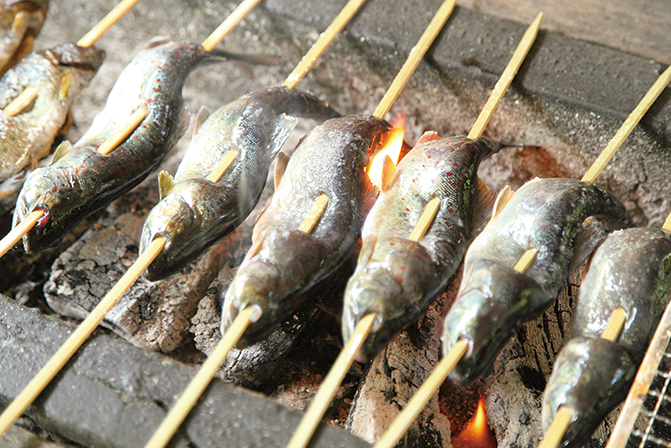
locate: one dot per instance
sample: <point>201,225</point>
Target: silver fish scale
<point>396,278</point>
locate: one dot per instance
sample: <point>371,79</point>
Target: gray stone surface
<point>112,394</point>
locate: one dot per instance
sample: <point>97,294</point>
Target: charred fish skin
<point>396,278</point>
<point>494,300</point>
<point>20,22</point>
<point>632,270</point>
<point>59,74</point>
<point>284,261</point>
<point>196,212</point>
<point>83,180</point>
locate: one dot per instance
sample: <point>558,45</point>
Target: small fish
<point>494,299</point>
<point>631,270</point>
<point>194,212</point>
<point>396,278</point>
<point>59,74</point>
<point>284,261</point>
<point>84,180</point>
<point>20,22</point>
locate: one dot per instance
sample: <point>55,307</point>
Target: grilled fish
<point>83,180</point>
<point>58,74</point>
<point>396,278</point>
<point>494,299</point>
<point>285,261</point>
<point>20,22</point>
<point>631,270</point>
<point>196,212</point>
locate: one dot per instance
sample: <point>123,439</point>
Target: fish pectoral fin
<point>65,84</point>
<point>67,125</point>
<point>20,23</point>
<point>427,137</point>
<point>590,236</point>
<point>165,184</point>
<point>202,116</point>
<point>388,170</point>
<point>62,149</point>
<point>155,42</point>
<point>483,206</point>
<point>502,199</point>
<point>280,166</point>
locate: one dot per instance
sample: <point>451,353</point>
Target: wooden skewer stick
<point>425,219</point>
<point>628,125</point>
<point>314,214</point>
<point>324,41</point>
<point>564,415</point>
<point>17,232</point>
<point>200,382</point>
<point>223,165</point>
<point>83,331</point>
<point>415,56</point>
<point>331,383</point>
<point>110,19</point>
<point>227,25</point>
<point>122,134</point>
<point>30,93</point>
<point>506,77</point>
<point>667,223</point>
<point>422,396</point>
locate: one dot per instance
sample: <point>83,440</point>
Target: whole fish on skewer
<point>59,74</point>
<point>194,212</point>
<point>592,375</point>
<point>284,261</point>
<point>20,22</point>
<point>494,299</point>
<point>396,278</point>
<point>80,179</point>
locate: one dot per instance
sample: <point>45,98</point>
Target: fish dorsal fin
<point>388,169</point>
<point>280,166</point>
<point>427,137</point>
<point>502,199</point>
<point>482,207</point>
<point>155,42</point>
<point>165,184</point>
<point>590,236</point>
<point>62,149</point>
<point>203,114</point>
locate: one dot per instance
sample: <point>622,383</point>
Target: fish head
<point>391,283</point>
<point>86,60</point>
<point>273,278</point>
<point>591,375</point>
<point>493,302</point>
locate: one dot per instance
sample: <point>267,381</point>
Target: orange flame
<point>477,434</point>
<point>391,149</point>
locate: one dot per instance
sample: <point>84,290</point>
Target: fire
<point>477,434</point>
<point>391,149</point>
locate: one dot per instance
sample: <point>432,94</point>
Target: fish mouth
<point>169,218</point>
<point>38,193</point>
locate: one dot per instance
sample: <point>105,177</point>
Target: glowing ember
<point>477,434</point>
<point>391,149</point>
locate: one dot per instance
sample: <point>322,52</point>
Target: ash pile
<point>556,111</point>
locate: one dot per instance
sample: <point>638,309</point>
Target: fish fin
<point>65,84</point>
<point>67,125</point>
<point>502,199</point>
<point>482,206</point>
<point>165,184</point>
<point>367,249</point>
<point>62,149</point>
<point>280,166</point>
<point>155,42</point>
<point>427,137</point>
<point>590,236</point>
<point>388,170</point>
<point>203,114</point>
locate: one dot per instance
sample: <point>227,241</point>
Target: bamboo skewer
<point>30,93</point>
<point>84,330</point>
<point>415,56</point>
<point>325,39</point>
<point>564,415</point>
<point>428,214</point>
<point>228,24</point>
